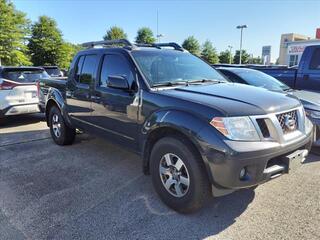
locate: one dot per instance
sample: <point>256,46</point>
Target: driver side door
<point>116,110</point>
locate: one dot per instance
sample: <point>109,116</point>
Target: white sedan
<point>19,93</point>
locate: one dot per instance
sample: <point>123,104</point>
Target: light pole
<point>230,54</point>
<point>241,27</point>
<point>159,35</point>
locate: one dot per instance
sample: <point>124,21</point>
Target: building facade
<point>266,55</point>
<point>292,46</point>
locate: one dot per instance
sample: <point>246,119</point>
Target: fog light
<point>243,173</point>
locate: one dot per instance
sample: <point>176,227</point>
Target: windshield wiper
<point>204,80</point>
<point>186,83</point>
<point>287,89</point>
<point>170,84</point>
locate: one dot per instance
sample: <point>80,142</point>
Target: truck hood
<point>310,100</point>
<point>234,99</point>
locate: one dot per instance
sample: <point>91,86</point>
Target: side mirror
<point>120,82</point>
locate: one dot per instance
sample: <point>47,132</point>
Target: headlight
<point>312,113</point>
<point>236,128</point>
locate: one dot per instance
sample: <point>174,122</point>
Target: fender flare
<point>179,121</point>
<point>54,95</point>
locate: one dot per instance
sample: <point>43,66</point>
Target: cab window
<point>115,65</point>
<point>89,69</point>
<point>79,68</point>
<point>315,60</point>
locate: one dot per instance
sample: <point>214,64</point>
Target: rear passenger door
<point>79,94</point>
<point>116,110</point>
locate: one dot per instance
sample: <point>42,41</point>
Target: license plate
<point>30,95</point>
<point>296,158</point>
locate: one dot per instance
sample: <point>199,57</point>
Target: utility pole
<point>230,54</point>
<point>241,27</point>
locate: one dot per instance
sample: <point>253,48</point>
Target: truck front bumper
<point>246,164</point>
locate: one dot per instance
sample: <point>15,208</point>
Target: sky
<point>216,20</point>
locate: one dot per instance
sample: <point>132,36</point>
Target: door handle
<point>95,98</point>
<point>306,77</point>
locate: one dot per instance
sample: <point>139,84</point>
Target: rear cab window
<point>86,69</point>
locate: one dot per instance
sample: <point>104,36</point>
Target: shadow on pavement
<point>20,120</point>
<point>312,158</point>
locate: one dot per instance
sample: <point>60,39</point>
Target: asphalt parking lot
<point>96,190</point>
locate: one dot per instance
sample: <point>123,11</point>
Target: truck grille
<point>288,121</point>
<point>263,127</point>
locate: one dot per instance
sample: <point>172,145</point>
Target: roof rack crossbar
<point>124,42</point>
<point>176,46</point>
<point>128,44</point>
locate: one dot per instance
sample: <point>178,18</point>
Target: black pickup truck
<point>197,134</point>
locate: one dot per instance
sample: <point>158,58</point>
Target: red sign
<point>318,33</point>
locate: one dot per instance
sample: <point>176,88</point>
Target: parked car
<point>310,100</point>
<point>53,71</point>
<point>197,133</point>
<point>18,90</point>
<point>306,76</point>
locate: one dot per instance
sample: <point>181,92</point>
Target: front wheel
<point>60,132</point>
<point>178,175</point>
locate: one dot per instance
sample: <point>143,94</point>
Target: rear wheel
<point>2,121</point>
<point>178,175</point>
<point>60,132</point>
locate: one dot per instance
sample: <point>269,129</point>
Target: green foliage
<point>46,42</point>
<point>192,45</point>
<point>145,35</point>
<point>256,60</point>
<point>47,46</point>
<point>115,33</point>
<point>209,53</point>
<point>68,51</point>
<point>14,26</point>
<point>225,56</point>
<point>245,58</point>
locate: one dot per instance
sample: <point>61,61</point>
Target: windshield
<point>25,76</point>
<point>260,79</point>
<point>53,71</point>
<point>173,66</point>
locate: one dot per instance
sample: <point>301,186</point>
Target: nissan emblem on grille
<point>289,122</point>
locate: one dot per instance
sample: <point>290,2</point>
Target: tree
<point>225,57</point>
<point>192,45</point>
<point>68,51</point>
<point>115,33</point>
<point>244,58</point>
<point>209,53</point>
<point>145,35</point>
<point>14,26</point>
<point>256,60</point>
<point>46,44</point>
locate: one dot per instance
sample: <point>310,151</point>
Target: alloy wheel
<point>56,125</point>
<point>174,175</point>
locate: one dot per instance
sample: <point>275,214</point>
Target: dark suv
<point>196,132</point>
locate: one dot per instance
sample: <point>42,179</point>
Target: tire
<point>179,196</point>
<point>60,132</point>
<point>2,121</point>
